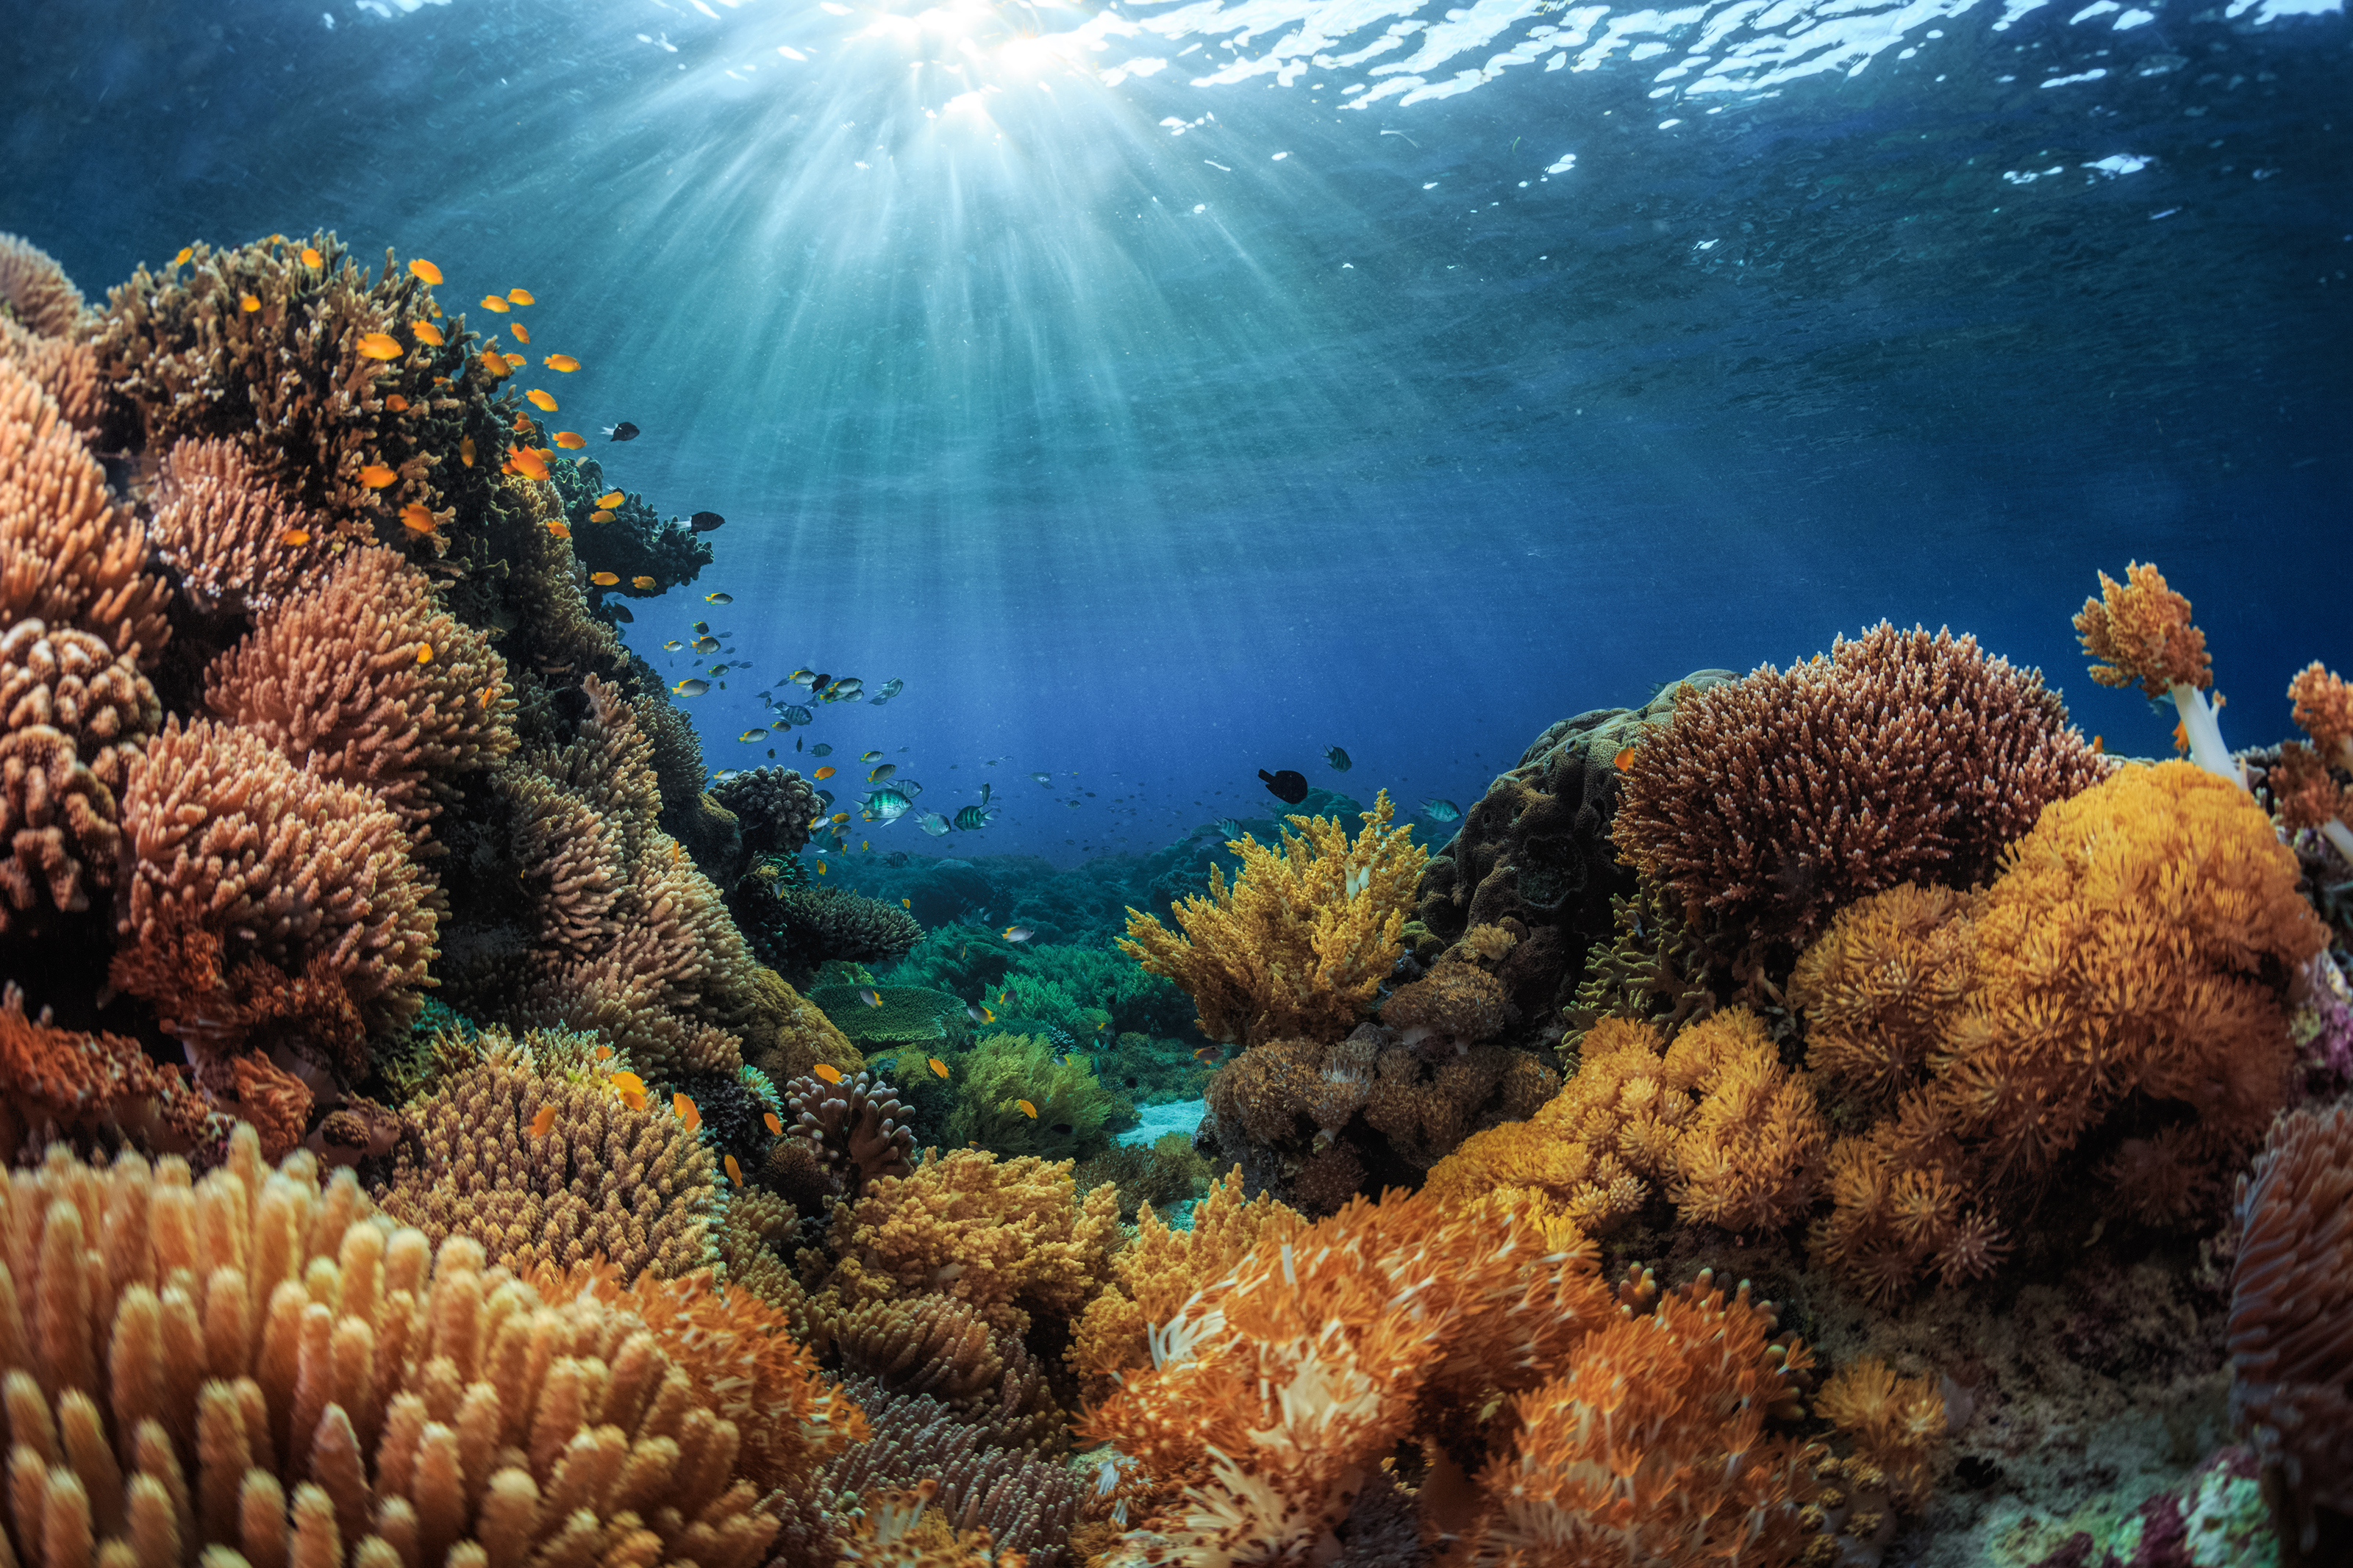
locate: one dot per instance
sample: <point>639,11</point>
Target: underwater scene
<point>1085,784</point>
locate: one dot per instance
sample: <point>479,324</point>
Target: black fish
<point>624,431</point>
<point>621,613</point>
<point>1287,786</point>
<point>704,521</point>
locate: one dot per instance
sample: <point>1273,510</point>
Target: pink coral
<point>236,542</point>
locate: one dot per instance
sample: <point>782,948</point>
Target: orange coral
<point>2323,710</point>
<point>1879,985</point>
<point>36,289</point>
<point>233,538</point>
<point>1750,1155</point>
<point>366,679</point>
<point>273,1100</point>
<point>1896,1425</point>
<point>2139,631</point>
<point>55,1081</point>
<point>1426,1109</point>
<point>73,716</point>
<point>67,369</point>
<point>1455,1005</point>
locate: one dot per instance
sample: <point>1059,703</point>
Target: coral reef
<point>63,1082</point>
<point>900,1016</point>
<point>1168,1174</point>
<point>631,541</point>
<point>1301,941</point>
<point>798,931</point>
<point>2138,632</point>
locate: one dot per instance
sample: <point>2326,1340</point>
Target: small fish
<point>871,997</point>
<point>937,1065</point>
<point>820,867</point>
<point>634,1099</point>
<point>1441,811</point>
<point>543,1122</point>
<point>600,515</point>
<point>563,363</point>
<point>513,363</point>
<point>1207,1053</point>
<point>611,498</point>
<point>602,579</point>
<point>522,425</point>
<point>396,403</point>
<point>521,297</point>
<point>1046,779</point>
<point>775,1127</point>
<point>706,644</point>
<point>528,462</point>
<point>673,646</point>
<point>415,518</point>
<point>424,271</point>
<point>628,1083</point>
<point>494,365</point>
<point>718,599</point>
<point>427,333</point>
<point>186,251</point>
<point>247,302</point>
<point>972,819</point>
<point>822,749</point>
<point>884,772</point>
<point>869,756</point>
<point>683,1109</point>
<point>644,584</point>
<point>492,302</point>
<point>1338,759</point>
<point>1289,785</point>
<point>824,772</point>
<point>1017,933</point>
<point>827,1071</point>
<point>933,822</point>
<point>702,628</point>
<point>603,1053</point>
<point>891,687</point>
<point>571,440</point>
<point>624,431</point>
<point>375,476</point>
<point>310,257</point>
<point>540,400</point>
<point>1623,760</point>
<point>466,450</point>
<point>734,1171</point>
<point>906,903</point>
<point>799,715</point>
<point>692,687</point>
<point>753,734</point>
<point>704,521</point>
<point>621,613</point>
<point>1062,1129</point>
<point>1027,1108</point>
<point>522,332</point>
<point>295,536</point>
<point>2099,747</point>
<point>887,805</point>
<point>978,1013</point>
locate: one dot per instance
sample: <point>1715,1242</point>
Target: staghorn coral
<point>73,717</point>
<point>35,289</point>
<point>364,679</point>
<point>2124,980</point>
<point>197,1358</point>
<point>2291,1327</point>
<point>62,1082</point>
<point>1766,803</point>
<point>1013,1237</point>
<point>854,1130</point>
<point>70,556</point>
<point>260,894</point>
<point>234,541</point>
<point>604,1180</point>
<point>774,807</point>
<point>1076,1115</point>
<point>1301,941</point>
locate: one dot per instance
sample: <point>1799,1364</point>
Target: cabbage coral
<point>1302,940</point>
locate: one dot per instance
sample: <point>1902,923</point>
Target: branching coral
<point>1656,968</point>
<point>35,291</point>
<point>855,1129</point>
<point>602,1180</point>
<point>192,1360</point>
<point>2291,1328</point>
<point>70,556</point>
<point>62,1082</point>
<point>73,717</point>
<point>232,539</point>
<point>774,807</point>
<point>1769,802</point>
<point>247,872</point>
<point>632,539</point>
<point>1301,941</point>
<point>365,678</point>
<point>2138,633</point>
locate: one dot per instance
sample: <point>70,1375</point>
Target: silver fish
<point>887,805</point>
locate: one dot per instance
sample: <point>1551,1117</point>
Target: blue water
<point>1397,378</point>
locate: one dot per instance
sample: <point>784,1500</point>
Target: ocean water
<point>1167,391</point>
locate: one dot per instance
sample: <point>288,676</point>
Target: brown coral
<point>631,1186</point>
<point>855,1129</point>
<point>774,807</point>
<point>365,678</point>
<point>1767,802</point>
<point>69,555</point>
<point>73,717</point>
<point>1455,1005</point>
<point>2291,1327</point>
<point>1879,986</point>
<point>2138,630</point>
<point>274,1101</point>
<point>254,1367</point>
<point>36,289</point>
<point>234,541</point>
<point>2323,710</point>
<point>55,1082</point>
<point>1425,1109</point>
<point>1894,1424</point>
<point>234,845</point>
<point>67,369</point>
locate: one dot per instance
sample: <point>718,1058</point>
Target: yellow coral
<point>1301,941</point>
<point>1895,1423</point>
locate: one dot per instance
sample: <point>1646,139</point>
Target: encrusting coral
<point>599,1179</point>
<point>255,1369</point>
<point>1301,941</point>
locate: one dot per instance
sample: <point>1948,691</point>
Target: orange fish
<point>2099,748</point>
<point>820,867</point>
<point>603,1053</point>
<point>683,1109</point>
<point>522,332</point>
<point>540,400</point>
<point>493,366</point>
<point>1027,1109</point>
<point>186,252</point>
<point>827,1071</point>
<point>734,1171</point>
<point>528,462</point>
<point>396,403</point>
<point>1623,760</point>
<point>906,903</point>
<point>936,1065</point>
<point>521,297</point>
<point>563,363</point>
<point>492,302</point>
<point>424,271</point>
<point>543,1122</point>
<point>488,692</point>
<point>600,515</point>
<point>570,439</point>
<point>775,1127</point>
<point>415,518</point>
<point>466,450</point>
<point>514,362</point>
<point>247,302</point>
<point>602,579</point>
<point>628,1083</point>
<point>611,498</point>
<point>312,258</point>
<point>379,345</point>
<point>634,1099</point>
<point>427,333</point>
<point>647,584</point>
<point>295,536</point>
<point>375,476</point>
<point>522,425</point>
<point>560,529</point>
<point>825,772</point>
<point>425,653</point>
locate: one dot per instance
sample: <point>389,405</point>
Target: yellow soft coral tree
<point>2131,958</point>
<point>1714,1122</point>
<point>1299,943</point>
